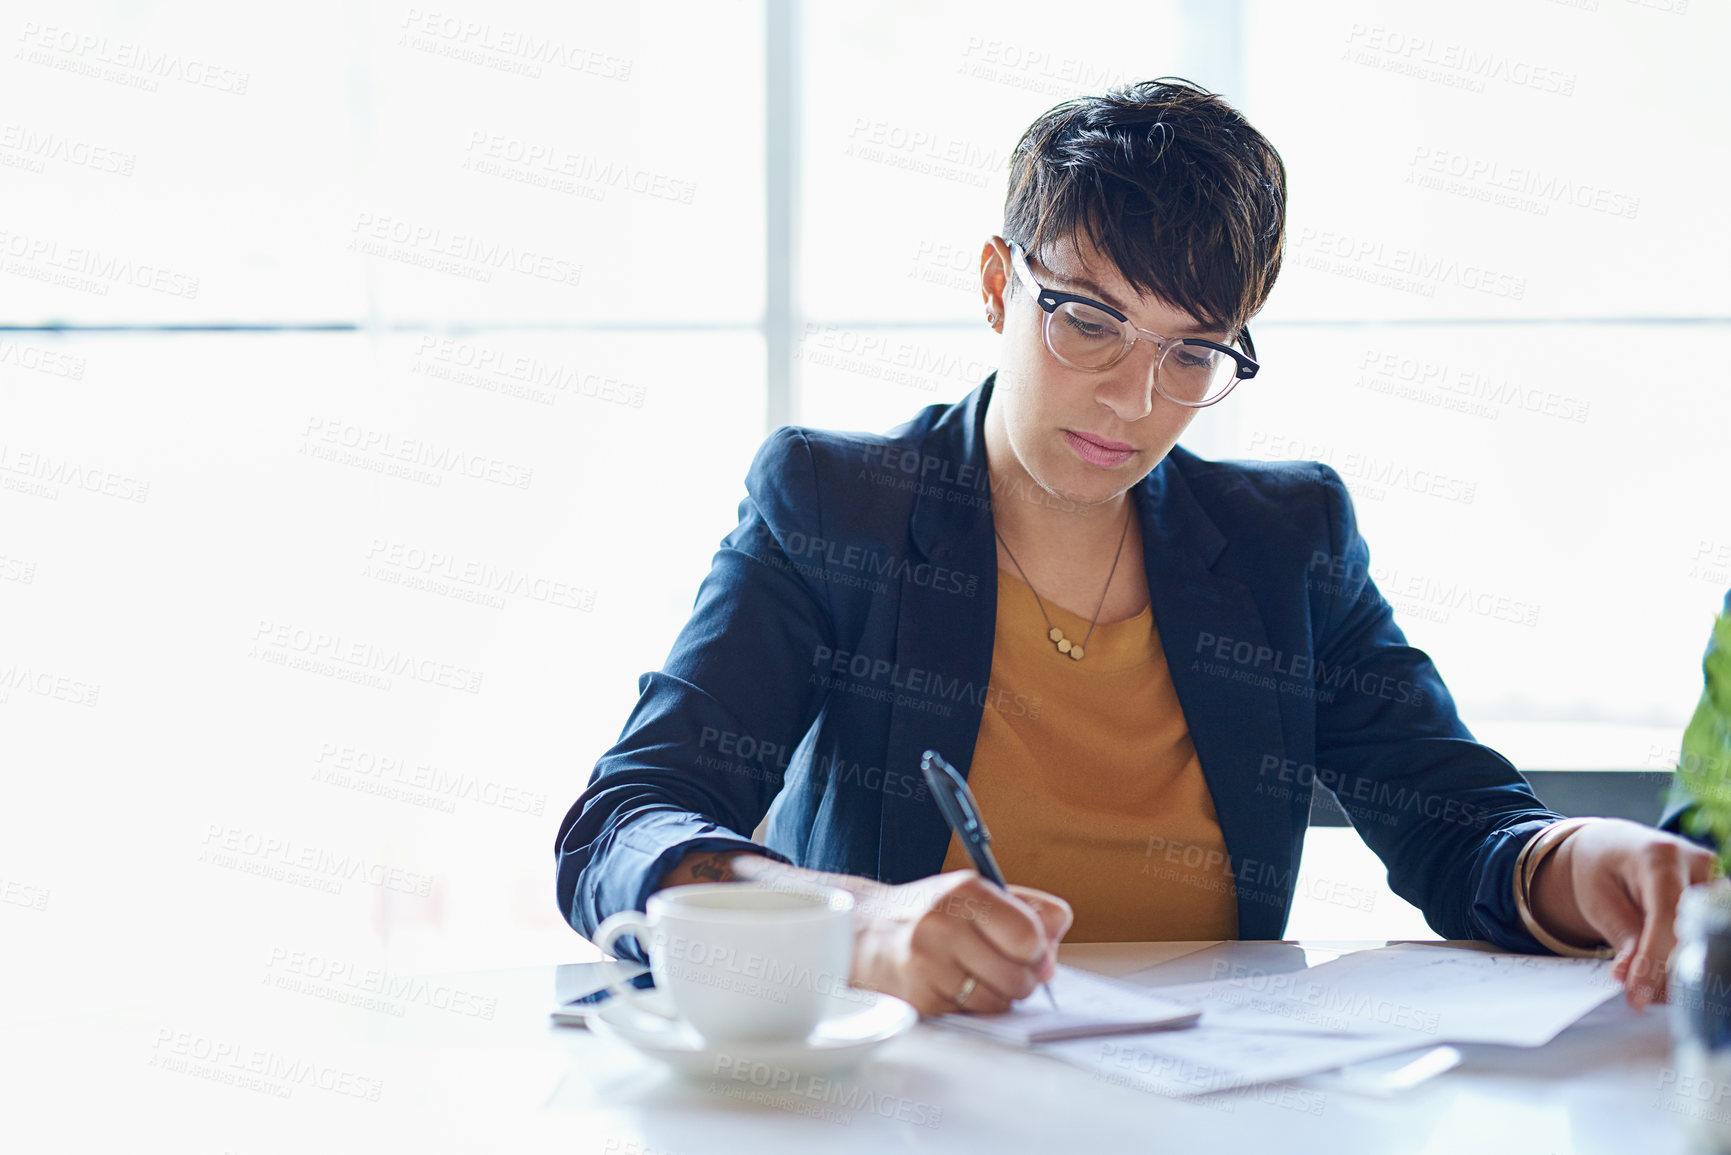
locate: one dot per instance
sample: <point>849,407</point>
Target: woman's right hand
<point>923,940</point>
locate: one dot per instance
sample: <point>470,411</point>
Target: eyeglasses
<point>1085,334</point>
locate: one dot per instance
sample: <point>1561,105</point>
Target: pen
<point>956,802</point>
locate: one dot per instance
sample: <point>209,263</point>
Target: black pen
<point>960,811</point>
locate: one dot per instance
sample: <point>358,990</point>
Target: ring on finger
<point>968,985</point>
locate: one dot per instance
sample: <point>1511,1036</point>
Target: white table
<point>469,1062</point>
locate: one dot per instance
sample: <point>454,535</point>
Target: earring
<point>991,318</point>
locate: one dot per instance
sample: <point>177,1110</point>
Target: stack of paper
<point>1260,1025</point>
<point>1202,1058</point>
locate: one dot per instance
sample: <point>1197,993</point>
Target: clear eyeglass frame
<point>1050,300</point>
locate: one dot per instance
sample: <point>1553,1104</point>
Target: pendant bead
<point>1056,635</point>
<point>1064,645</point>
<point>1076,652</point>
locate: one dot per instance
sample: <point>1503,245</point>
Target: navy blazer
<point>846,625</point>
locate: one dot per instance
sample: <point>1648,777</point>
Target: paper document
<point>1261,1025</point>
<point>1088,1005</point>
<point>1426,994</point>
<point>1202,1058</point>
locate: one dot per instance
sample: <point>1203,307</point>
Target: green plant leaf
<point>1705,765</point>
<point>1716,664</point>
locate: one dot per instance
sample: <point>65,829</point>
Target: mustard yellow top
<point>1091,788</point>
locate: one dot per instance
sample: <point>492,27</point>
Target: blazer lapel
<point>942,640</point>
<point>1232,708</point>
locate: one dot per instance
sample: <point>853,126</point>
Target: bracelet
<point>1527,865</point>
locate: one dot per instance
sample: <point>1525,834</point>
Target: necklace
<point>1065,645</point>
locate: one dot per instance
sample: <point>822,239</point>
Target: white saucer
<point>856,1023</point>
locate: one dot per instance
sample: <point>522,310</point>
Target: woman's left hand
<point>1618,882</point>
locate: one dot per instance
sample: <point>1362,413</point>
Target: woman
<point>1142,660</point>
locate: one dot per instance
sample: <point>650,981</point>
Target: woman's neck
<point>1033,519</point>
<point>1046,525</point>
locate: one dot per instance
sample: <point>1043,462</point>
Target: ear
<point>994,279</point>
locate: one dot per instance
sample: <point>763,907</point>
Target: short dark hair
<point>1170,182</point>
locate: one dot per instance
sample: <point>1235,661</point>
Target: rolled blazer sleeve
<point>679,778</point>
<point>1446,815</point>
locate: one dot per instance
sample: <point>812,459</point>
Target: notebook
<point>1088,1005</point>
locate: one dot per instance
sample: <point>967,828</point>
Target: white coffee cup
<point>741,961</point>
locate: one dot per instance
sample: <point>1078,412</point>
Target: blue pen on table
<point>956,802</point>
